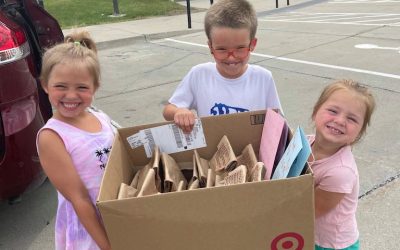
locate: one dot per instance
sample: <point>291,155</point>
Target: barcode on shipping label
<point>169,138</point>
<point>149,142</point>
<point>188,139</point>
<point>177,136</point>
<point>149,137</point>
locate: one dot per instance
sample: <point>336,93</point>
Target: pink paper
<point>270,138</point>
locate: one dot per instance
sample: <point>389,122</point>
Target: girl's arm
<point>325,201</point>
<point>59,168</point>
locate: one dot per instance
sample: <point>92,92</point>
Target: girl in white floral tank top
<point>74,144</point>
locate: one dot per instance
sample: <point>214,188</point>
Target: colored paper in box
<point>294,158</point>
<point>270,138</point>
<point>302,157</point>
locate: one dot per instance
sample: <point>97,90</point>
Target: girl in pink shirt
<point>340,116</point>
<point>74,144</point>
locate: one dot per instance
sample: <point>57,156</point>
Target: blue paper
<point>302,157</point>
<point>295,156</point>
<point>289,156</point>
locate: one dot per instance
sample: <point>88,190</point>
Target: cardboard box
<point>276,214</point>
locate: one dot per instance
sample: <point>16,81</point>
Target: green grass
<point>76,13</point>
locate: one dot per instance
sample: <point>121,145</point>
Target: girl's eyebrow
<point>352,115</point>
<point>332,106</point>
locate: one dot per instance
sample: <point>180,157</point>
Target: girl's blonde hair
<point>355,87</point>
<point>77,47</point>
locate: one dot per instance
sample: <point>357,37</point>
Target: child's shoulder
<point>201,70</point>
<point>259,73</point>
<point>50,133</point>
<point>207,66</point>
<point>343,158</point>
<point>257,69</point>
<point>347,156</point>
<point>99,114</point>
<point>103,118</point>
<point>54,124</point>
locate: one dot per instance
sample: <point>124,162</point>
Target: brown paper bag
<point>224,158</point>
<point>141,175</point>
<point>173,174</point>
<point>149,186</point>
<point>126,191</point>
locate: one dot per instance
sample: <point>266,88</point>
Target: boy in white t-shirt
<point>229,85</point>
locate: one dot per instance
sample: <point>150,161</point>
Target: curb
<point>104,45</point>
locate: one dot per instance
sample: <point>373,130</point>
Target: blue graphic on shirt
<point>222,109</point>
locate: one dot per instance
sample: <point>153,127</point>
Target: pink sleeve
<point>339,180</point>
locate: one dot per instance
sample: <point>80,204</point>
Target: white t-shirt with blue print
<point>205,90</point>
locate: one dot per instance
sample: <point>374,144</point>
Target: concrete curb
<point>142,38</point>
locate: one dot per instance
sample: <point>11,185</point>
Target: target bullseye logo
<point>288,241</point>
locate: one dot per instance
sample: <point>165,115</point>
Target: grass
<point>76,13</point>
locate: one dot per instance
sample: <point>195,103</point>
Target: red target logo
<point>288,241</point>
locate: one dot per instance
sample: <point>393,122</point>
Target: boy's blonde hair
<point>351,86</point>
<point>77,47</point>
<point>234,14</point>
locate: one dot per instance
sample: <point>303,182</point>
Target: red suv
<point>25,30</point>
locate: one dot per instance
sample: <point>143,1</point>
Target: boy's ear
<point>253,44</point>
<point>209,45</point>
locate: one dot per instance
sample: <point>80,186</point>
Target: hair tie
<point>76,43</point>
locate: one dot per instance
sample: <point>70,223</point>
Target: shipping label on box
<point>169,138</point>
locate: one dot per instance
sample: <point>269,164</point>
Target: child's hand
<point>184,118</point>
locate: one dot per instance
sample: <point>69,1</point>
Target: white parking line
<point>363,1</point>
<point>296,14</point>
<point>373,46</point>
<point>368,16</point>
<point>369,19</point>
<point>369,72</point>
<point>348,23</point>
<point>378,20</point>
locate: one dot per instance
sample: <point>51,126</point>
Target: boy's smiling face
<point>229,39</point>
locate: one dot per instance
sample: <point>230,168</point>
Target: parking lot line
<point>369,72</point>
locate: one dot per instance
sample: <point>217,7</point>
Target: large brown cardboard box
<point>276,214</point>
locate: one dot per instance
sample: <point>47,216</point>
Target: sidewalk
<point>118,34</point>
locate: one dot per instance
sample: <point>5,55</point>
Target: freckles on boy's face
<point>229,39</point>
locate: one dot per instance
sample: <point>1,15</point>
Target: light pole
<point>116,10</point>
<point>188,14</point>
